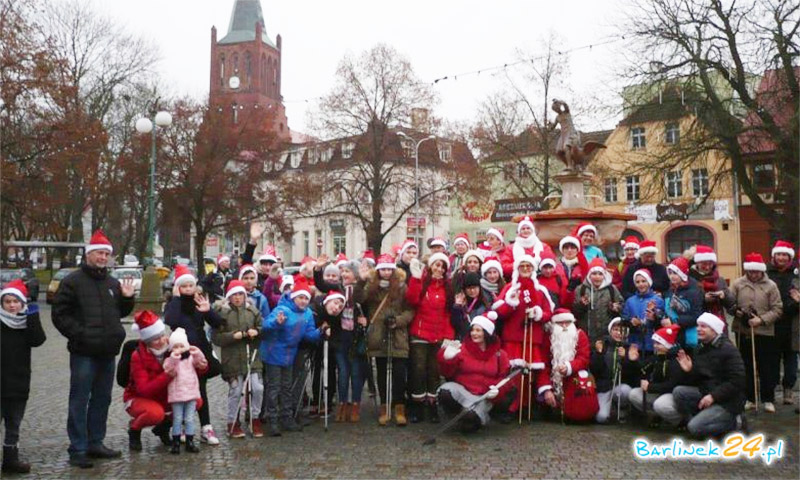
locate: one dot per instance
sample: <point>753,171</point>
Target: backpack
<point>124,363</point>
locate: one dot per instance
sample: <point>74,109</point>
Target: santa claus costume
<point>527,243</point>
<point>573,384</point>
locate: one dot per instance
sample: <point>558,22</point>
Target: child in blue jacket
<point>644,312</point>
<point>289,323</point>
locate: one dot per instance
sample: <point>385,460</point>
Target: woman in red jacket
<point>473,368</point>
<point>431,296</point>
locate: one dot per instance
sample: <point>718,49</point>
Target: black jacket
<point>87,309</point>
<point>663,372</point>
<point>718,369</point>
<point>214,284</point>
<point>602,366</point>
<point>783,279</point>
<point>15,356</point>
<point>657,271</point>
<point>182,312</point>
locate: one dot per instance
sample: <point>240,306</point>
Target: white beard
<point>562,346</point>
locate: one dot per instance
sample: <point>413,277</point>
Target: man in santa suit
<point>524,301</point>
<point>573,387</point>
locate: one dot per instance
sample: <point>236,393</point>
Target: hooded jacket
<point>605,366</point>
<point>233,353</point>
<point>658,273</point>
<point>280,341</point>
<point>147,377</point>
<point>15,355</point>
<point>636,307</point>
<point>431,321</point>
<point>718,370</point>
<point>371,297</point>
<point>683,305</point>
<point>662,372</point>
<point>595,317</point>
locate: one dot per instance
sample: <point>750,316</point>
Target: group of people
<point>446,331</point>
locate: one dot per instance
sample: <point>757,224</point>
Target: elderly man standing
<point>647,260</point>
<point>87,309</point>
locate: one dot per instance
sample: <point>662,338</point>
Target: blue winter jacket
<point>259,301</point>
<point>279,344</point>
<point>683,306</point>
<point>591,252</point>
<point>636,306</point>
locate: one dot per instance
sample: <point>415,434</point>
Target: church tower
<point>246,67</point>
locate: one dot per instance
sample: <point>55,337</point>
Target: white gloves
<point>535,313</point>
<point>451,351</point>
<point>518,363</point>
<point>512,296</point>
<point>493,392</point>
<point>416,268</point>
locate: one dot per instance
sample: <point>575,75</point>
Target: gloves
<point>391,322</point>
<point>512,296</point>
<point>535,313</point>
<point>451,351</point>
<point>493,392</point>
<point>518,363</point>
<point>416,268</point>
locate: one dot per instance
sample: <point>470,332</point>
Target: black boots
<point>176,445</point>
<point>470,423</point>
<point>12,463</point>
<point>416,412</point>
<point>433,412</point>
<point>190,445</point>
<point>135,440</point>
<point>162,432</point>
<point>102,451</point>
<point>274,430</point>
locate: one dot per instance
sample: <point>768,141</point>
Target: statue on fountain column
<point>569,148</point>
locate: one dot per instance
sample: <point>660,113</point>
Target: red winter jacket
<point>619,272</point>
<point>431,317</point>
<point>582,354</point>
<point>513,317</point>
<point>557,286</point>
<point>506,257</point>
<point>475,369</point>
<point>147,378</point>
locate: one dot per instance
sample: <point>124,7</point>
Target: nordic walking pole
<point>755,366</point>
<point>389,374</point>
<point>530,376</point>
<point>522,377</point>
<point>325,379</point>
<point>432,439</point>
<point>245,385</point>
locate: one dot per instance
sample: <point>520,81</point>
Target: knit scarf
<point>383,283</point>
<point>489,286</point>
<point>17,321</point>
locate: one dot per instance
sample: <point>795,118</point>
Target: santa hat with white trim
<point>462,238</point>
<point>613,322</point>
<point>222,258</point>
<point>183,275</point>
<point>584,227</point>
<point>17,288</point>
<point>711,321</point>
<point>597,265</point>
<point>234,287</point>
<point>439,256</point>
<point>547,259</point>
<point>286,280</point>
<point>704,253</point>
<point>489,263</point>
<point>562,315</point>
<point>385,261</point>
<point>497,232</point>
<point>630,242</point>
<point>308,261</point>
<point>437,242</point>
<point>486,322</point>
<point>473,253</point>
<point>268,255</point>
<point>332,295</point>
<point>247,267</point>
<point>300,288</point>
<point>405,246</point>
<point>147,325</point>
<point>341,259</point>
<point>644,273</point>
<point>647,246</point>
<point>782,246</point>
<point>99,241</point>
<point>666,336</point>
<point>754,262</point>
<point>569,240</point>
<point>526,221</point>
<point>369,257</point>
<point>680,267</point>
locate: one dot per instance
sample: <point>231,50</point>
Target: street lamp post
<point>416,173</point>
<point>146,125</point>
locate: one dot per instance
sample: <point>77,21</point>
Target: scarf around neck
<point>17,321</point>
<point>489,286</point>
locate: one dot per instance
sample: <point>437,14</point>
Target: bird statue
<point>569,148</point>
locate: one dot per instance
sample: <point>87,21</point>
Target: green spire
<point>245,15</point>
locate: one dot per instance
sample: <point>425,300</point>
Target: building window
<point>522,170</point>
<point>672,134</point>
<point>674,185</point>
<point>235,64</point>
<point>637,138</point>
<point>347,149</point>
<point>610,187</point>
<point>222,70</point>
<point>339,242</point>
<point>235,109</point>
<point>632,188</point>
<point>408,147</point>
<point>318,235</point>
<point>764,176</point>
<point>700,182</point>
<point>248,67</point>
<point>682,238</point>
<point>445,152</point>
<point>306,243</point>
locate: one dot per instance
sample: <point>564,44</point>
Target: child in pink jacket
<point>184,390</point>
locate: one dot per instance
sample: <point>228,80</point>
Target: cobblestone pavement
<point>541,450</point>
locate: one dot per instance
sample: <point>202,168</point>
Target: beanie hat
<point>351,265</point>
<point>333,295</point>
<point>331,269</point>
<point>497,232</point>
<point>178,336</point>
<point>461,238</point>
<point>99,241</point>
<point>222,258</point>
<point>147,325</point>
<point>405,246</point>
<point>613,322</point>
<point>703,253</point>
<point>526,221</point>
<point>630,242</point>
<point>340,259</point>
<point>712,321</point>
<point>300,288</point>
<point>472,279</point>
<point>562,315</point>
<point>386,261</point>
<point>17,288</point>
<point>754,262</point>
<point>234,287</point>
<point>569,240</point>
<point>490,263</point>
<point>585,227</point>
<point>782,246</point>
<point>644,273</point>
<point>287,280</point>
<point>667,336</point>
<point>486,322</point>
<point>647,246</point>
<point>680,267</point>
<point>183,275</point>
<point>247,267</point>
<point>439,256</point>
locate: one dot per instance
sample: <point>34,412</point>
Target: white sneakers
<point>769,407</point>
<point>748,405</point>
<point>208,436</point>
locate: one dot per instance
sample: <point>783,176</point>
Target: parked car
<point>167,283</point>
<point>130,261</point>
<point>129,272</point>
<point>28,278</point>
<point>52,287</point>
<point>291,270</point>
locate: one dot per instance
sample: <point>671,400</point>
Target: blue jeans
<point>713,420</point>
<point>183,414</point>
<point>350,373</point>
<point>90,383</point>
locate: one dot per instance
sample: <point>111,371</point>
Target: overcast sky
<point>440,38</point>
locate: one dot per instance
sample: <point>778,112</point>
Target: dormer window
<point>347,149</point>
<point>445,152</point>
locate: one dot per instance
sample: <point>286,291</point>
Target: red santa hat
<point>332,295</point>
<point>562,315</point>
<point>497,232</point>
<point>704,253</point>
<point>341,259</point>
<point>613,322</point>
<point>680,267</point>
<point>368,256</point>
<point>386,261</point>
<point>17,288</point>
<point>437,242</point>
<point>486,322</point>
<point>647,246</point>
<point>630,242</point>
<point>405,246</point>
<point>569,240</point>
<point>667,336</point>
<point>286,280</point>
<point>247,267</point>
<point>461,238</point>
<point>300,288</point>
<point>183,275</point>
<point>597,265</point>
<point>490,263</point>
<point>268,255</point>
<point>222,258</point>
<point>526,221</point>
<point>99,241</point>
<point>439,256</point>
<point>754,262</point>
<point>234,287</point>
<point>782,246</point>
<point>711,321</point>
<point>547,259</point>
<point>585,227</point>
<point>644,273</point>
<point>147,325</point>
<point>307,260</point>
